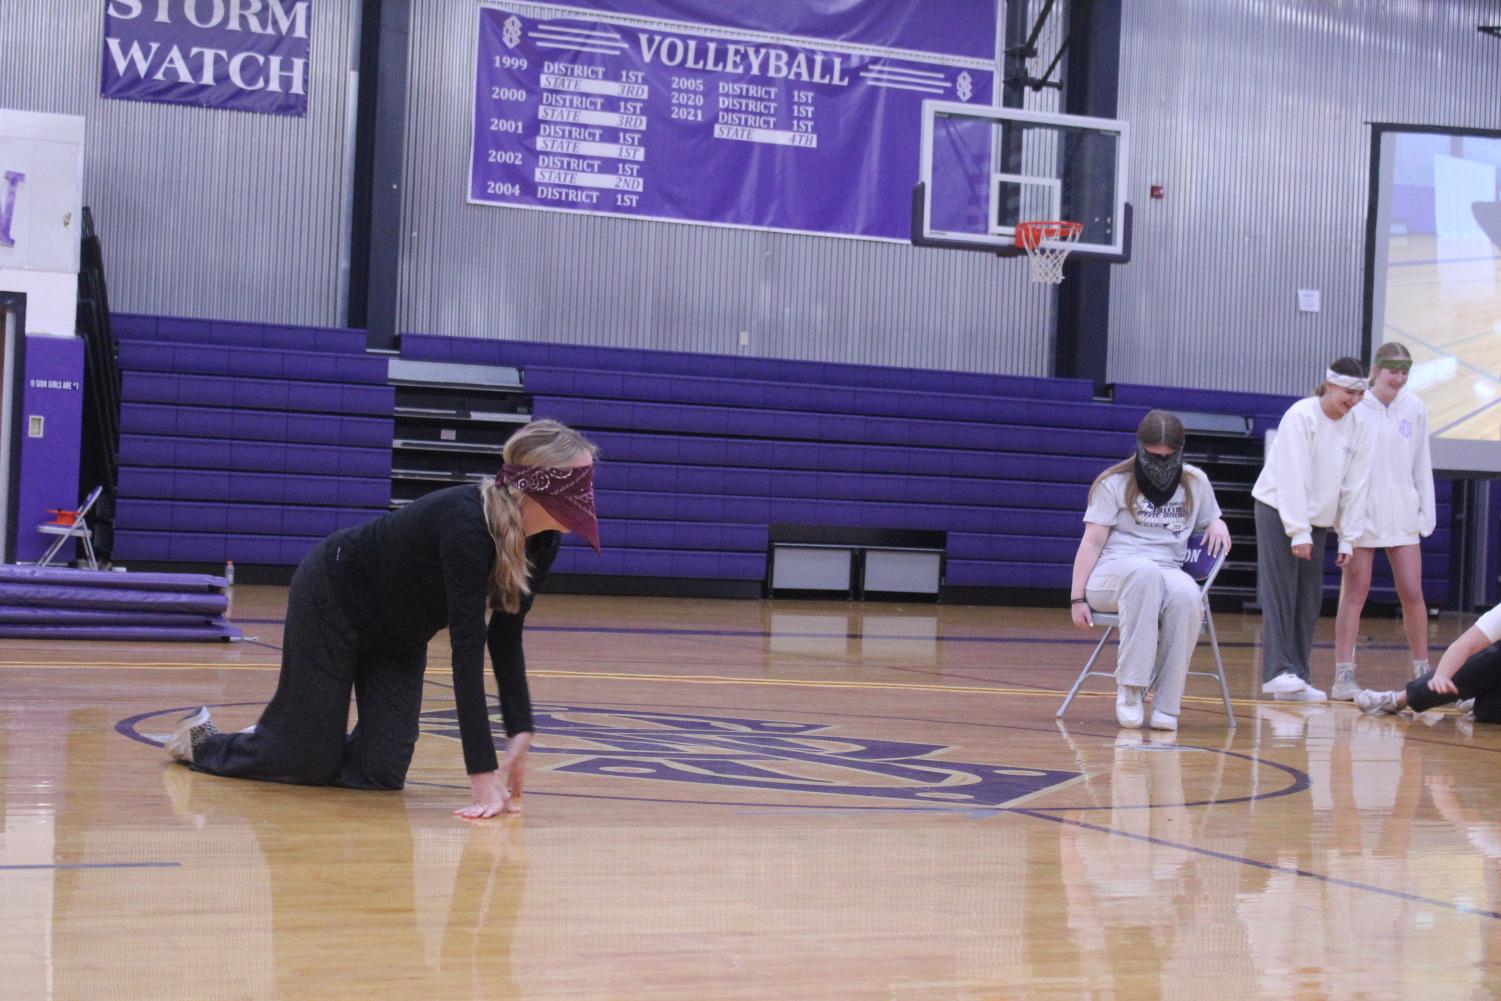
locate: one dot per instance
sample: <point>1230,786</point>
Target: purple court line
<point>665,706</point>
<point>1299,785</point>
<point>95,865</point>
<point>1466,417</point>
<point>999,640</point>
<point>1300,781</point>
<point>1469,337</point>
<point>987,810</point>
<point>853,635</point>
<point>1489,377</point>
<point>127,727</point>
<point>1268,866</point>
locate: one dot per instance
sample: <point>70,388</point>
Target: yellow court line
<point>687,679</point>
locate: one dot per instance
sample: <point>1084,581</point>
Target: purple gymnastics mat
<point>55,596</point>
<point>67,603</point>
<point>181,582</point>
<point>31,615</point>
<point>154,634</point>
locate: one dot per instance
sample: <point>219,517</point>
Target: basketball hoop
<point>1047,244</point>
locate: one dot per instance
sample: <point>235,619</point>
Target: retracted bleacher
<point>246,442</point>
<point>701,454</point>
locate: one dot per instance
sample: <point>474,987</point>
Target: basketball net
<point>1047,245</point>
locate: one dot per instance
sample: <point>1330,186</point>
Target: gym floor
<point>772,799</point>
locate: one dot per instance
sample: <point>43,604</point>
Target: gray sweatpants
<point>1161,618</point>
<point>1290,591</point>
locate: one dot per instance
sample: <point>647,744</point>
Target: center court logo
<point>764,755</point>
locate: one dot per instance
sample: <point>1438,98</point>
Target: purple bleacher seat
<point>977,573</point>
<point>186,547</point>
<point>225,360</point>
<point>132,326</point>
<point>1201,400</point>
<point>810,398</point>
<point>525,354</point>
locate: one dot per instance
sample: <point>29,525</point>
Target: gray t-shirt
<point>1158,534</point>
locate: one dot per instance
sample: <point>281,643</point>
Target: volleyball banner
<point>623,115</point>
<point>235,55</point>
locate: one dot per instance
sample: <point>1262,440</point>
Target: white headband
<point>1351,382</point>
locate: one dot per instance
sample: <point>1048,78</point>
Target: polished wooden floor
<point>756,800</point>
<point>1442,303</point>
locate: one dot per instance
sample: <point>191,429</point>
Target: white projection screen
<point>1433,267</point>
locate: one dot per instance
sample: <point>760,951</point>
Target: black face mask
<point>1157,476</point>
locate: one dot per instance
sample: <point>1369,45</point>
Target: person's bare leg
<point>1354,587</point>
<point>1407,568</point>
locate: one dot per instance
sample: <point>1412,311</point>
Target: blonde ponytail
<point>508,581</point>
<point>540,443</point>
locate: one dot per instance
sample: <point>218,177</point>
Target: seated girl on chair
<point>1141,513</point>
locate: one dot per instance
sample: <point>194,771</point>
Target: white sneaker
<point>1128,711</point>
<point>1308,694</point>
<point>1467,706</point>
<point>1283,684</point>
<point>191,731</point>
<point>1162,721</point>
<point>1345,689</point>
<point>1376,703</point>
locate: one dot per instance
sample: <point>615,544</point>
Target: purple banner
<point>949,27</point>
<point>611,115</point>
<point>236,55</point>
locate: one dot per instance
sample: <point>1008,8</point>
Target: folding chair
<point>71,525</point>
<point>1203,568</point>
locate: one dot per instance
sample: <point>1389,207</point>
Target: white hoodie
<point>1315,474</point>
<point>1399,504</point>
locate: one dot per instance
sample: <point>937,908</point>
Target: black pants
<point>301,737</point>
<point>1478,679</point>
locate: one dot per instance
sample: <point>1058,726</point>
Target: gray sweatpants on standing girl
<point>1290,591</point>
<point>1161,617</point>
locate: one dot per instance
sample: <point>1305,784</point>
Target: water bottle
<point>229,573</point>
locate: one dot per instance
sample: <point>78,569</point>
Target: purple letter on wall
<point>13,181</point>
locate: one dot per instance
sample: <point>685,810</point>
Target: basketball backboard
<point>984,170</point>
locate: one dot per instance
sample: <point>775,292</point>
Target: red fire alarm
<point>1156,191</point>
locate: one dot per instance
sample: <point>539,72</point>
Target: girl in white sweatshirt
<point>1399,513</point>
<point>1314,479</point>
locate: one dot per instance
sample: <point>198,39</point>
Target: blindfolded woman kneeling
<point>367,600</point>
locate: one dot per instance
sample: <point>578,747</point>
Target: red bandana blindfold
<point>566,494</point>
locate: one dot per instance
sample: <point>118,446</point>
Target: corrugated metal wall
<point>219,214</point>
<point>481,271</point>
<point>1253,114</point>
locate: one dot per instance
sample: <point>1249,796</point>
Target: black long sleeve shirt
<point>411,573</point>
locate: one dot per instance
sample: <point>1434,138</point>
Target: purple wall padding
<point>53,395</point>
<point>69,577</point>
<point>154,634</point>
<point>47,596</point>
